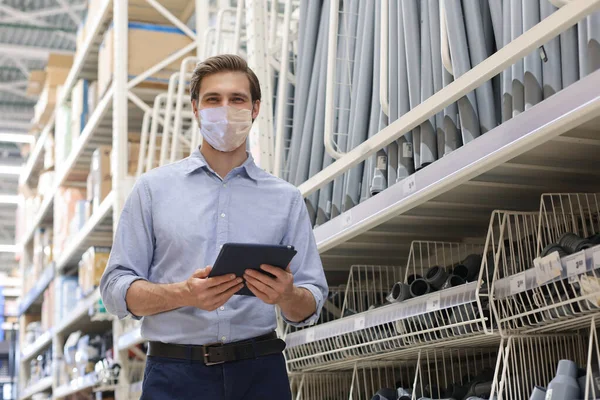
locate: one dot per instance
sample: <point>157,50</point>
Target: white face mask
<point>225,128</point>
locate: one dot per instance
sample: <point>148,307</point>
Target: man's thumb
<point>202,272</point>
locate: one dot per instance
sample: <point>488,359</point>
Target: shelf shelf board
<point>80,318</point>
<point>34,295</point>
<point>96,232</point>
<point>507,168</point>
<point>75,386</point>
<point>130,339</point>
<point>43,385</point>
<point>36,347</point>
<point>84,62</point>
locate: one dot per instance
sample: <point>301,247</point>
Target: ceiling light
<point>10,170</point>
<point>9,248</point>
<point>9,199</point>
<point>16,138</point>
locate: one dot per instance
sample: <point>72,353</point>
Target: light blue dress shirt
<point>175,221</point>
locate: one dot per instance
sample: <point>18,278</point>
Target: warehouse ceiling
<point>29,31</point>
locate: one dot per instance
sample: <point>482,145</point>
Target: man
<point>175,221</point>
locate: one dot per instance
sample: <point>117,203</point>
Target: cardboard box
<point>165,41</point>
<point>101,176</point>
<point>140,10</point>
<point>92,266</point>
<point>57,70</point>
<point>92,99</point>
<point>79,109</point>
<point>36,82</point>
<point>62,134</point>
<point>65,202</point>
<point>49,160</point>
<point>79,219</point>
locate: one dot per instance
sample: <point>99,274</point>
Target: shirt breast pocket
<point>258,223</point>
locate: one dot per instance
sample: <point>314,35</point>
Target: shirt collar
<point>197,161</point>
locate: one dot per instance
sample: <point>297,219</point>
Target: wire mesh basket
<point>403,324</point>
<point>322,386</point>
<point>527,362</point>
<point>545,270</point>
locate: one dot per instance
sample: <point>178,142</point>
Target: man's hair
<point>224,63</point>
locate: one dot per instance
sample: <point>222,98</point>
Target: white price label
<point>517,283</point>
<point>433,302</point>
<point>547,268</point>
<point>346,219</point>
<point>409,185</point>
<point>576,265</point>
<point>310,335</point>
<point>359,323</point>
<point>597,259</point>
<point>382,163</point>
<point>407,150</point>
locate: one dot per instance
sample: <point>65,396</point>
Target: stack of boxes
<point>53,77</point>
<point>91,267</point>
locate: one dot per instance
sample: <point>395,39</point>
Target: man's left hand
<point>271,290</point>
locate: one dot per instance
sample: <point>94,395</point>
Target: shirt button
<point>222,308</point>
<point>224,185</point>
<point>222,215</point>
<point>223,338</point>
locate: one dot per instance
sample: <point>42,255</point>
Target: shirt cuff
<point>122,286</point>
<point>311,320</point>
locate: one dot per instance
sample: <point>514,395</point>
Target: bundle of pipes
<point>423,46</point>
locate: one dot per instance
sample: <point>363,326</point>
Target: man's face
<point>226,89</point>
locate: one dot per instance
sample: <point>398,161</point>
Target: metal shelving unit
<point>551,147</point>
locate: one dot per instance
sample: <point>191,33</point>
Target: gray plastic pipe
<point>428,151</point>
<point>392,159</point>
<point>364,100</point>
<point>436,62</point>
<point>582,40</point>
<point>569,53</point>
<point>518,88</point>
<point>412,40</point>
<point>533,64</point>
<point>593,43</point>
<point>551,74</point>
<point>507,99</point>
<point>496,16</point>
<point>307,128</point>
<point>457,37</point>
<point>405,163</point>
<point>317,149</point>
<point>478,53</point>
<point>308,32</point>
<point>345,125</point>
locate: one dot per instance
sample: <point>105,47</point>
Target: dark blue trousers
<point>258,379</point>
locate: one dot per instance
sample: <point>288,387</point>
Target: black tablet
<point>235,258</point>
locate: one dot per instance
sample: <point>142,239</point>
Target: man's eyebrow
<point>240,94</point>
<point>211,94</point>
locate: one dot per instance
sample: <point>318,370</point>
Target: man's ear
<point>255,109</point>
<point>195,107</point>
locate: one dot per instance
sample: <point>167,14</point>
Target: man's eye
<point>239,99</point>
<point>211,99</point>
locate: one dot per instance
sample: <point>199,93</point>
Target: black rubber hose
<point>452,281</point>
<point>400,292</point>
<point>553,247</point>
<point>385,394</point>
<point>419,287</point>
<point>436,276</point>
<point>573,243</point>
<point>411,278</point>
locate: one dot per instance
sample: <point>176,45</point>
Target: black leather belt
<point>219,353</point>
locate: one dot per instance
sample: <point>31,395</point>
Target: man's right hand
<point>211,293</point>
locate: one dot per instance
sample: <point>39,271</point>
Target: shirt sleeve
<point>132,251</point>
<point>306,265</point>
